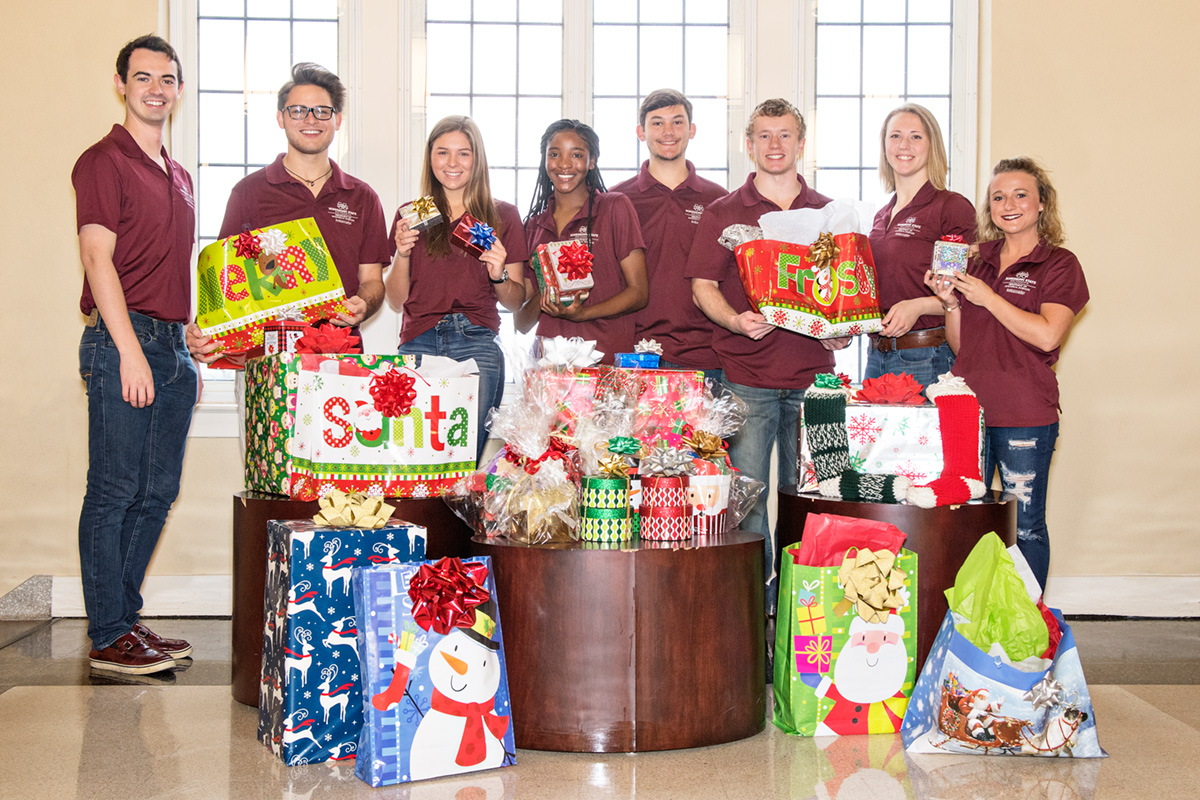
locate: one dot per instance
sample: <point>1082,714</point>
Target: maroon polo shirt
<point>903,248</point>
<point>347,211</point>
<point>153,214</point>
<point>781,359</point>
<point>615,234</point>
<point>669,218</point>
<point>457,283</point>
<point>1014,381</point>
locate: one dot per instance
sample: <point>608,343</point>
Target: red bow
<point>445,594</point>
<point>328,339</point>
<point>393,392</point>
<point>473,747</point>
<point>891,389</point>
<point>247,245</point>
<point>574,261</point>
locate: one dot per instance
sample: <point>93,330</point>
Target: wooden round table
<point>447,536</point>
<point>941,537</point>
<point>642,646</point>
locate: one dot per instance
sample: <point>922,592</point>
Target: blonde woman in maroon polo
<point>448,297</point>
<point>913,165</point>
<point>1007,319</point>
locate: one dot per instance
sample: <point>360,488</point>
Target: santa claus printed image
<point>868,679</point>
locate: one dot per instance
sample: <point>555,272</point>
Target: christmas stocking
<point>958,419</point>
<point>825,426</point>
<point>406,659</point>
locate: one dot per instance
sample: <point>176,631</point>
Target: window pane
<point>614,75</point>
<point>217,182</point>
<point>534,115</point>
<point>614,176</point>
<point>315,9</point>
<point>495,59</point>
<point>662,11</point>
<point>710,147</point>
<point>316,42</point>
<point>268,55</point>
<point>837,132</point>
<point>707,67</point>
<point>929,10</point>
<point>883,11</point>
<point>838,183</point>
<point>615,123</point>
<point>661,55</point>
<point>437,107</point>
<point>707,11</point>
<point>837,59</point>
<point>448,10</point>
<point>225,120</point>
<point>615,11</point>
<point>497,118</point>
<point>448,74</point>
<point>838,11</point>
<point>883,60</point>
<point>541,10</point>
<point>496,11</point>
<point>503,184</point>
<point>217,69</point>
<point>929,59</point>
<point>267,8</point>
<point>874,112</point>
<point>717,176</point>
<point>526,181</point>
<point>219,8</point>
<point>266,140</point>
<point>540,45</point>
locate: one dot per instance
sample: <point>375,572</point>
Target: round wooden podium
<point>447,536</point>
<point>635,647</point>
<point>941,537</point>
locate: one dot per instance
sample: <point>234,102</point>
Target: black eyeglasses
<point>300,112</point>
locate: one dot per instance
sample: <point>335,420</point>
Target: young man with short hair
<point>669,198</point>
<point>136,220</point>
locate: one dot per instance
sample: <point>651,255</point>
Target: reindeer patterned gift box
<point>310,698</point>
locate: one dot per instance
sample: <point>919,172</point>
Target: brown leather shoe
<point>175,648</point>
<point>132,656</point>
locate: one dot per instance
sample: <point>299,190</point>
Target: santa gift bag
<point>1004,676</point>
<point>845,635</point>
<point>436,699</point>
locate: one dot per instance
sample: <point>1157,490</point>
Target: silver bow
<point>1046,693</point>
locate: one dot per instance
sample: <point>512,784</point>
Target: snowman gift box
<point>435,687</point>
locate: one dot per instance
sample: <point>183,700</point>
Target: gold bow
<point>354,510</point>
<point>424,207</point>
<point>823,252</point>
<point>871,584</point>
<point>614,467</point>
<point>706,445</point>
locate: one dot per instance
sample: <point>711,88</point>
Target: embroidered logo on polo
<point>342,213</point>
<point>581,236</point>
<point>694,213</point>
<point>908,229</point>
<point>187,196</point>
<point>1019,283</point>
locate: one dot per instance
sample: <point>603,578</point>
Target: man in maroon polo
<point>669,198</point>
<point>136,220</point>
<point>306,182</point>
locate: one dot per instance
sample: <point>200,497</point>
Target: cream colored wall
<point>1102,95</point>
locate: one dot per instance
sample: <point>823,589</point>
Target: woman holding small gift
<point>913,164</point>
<point>1006,319</point>
<point>571,202</point>
<point>448,296</point>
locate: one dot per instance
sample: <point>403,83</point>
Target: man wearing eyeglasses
<point>305,182</point>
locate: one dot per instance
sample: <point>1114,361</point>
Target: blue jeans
<point>925,364</point>
<point>1023,455</point>
<point>135,456</point>
<point>457,337</point>
<point>771,422</point>
<point>717,376</point>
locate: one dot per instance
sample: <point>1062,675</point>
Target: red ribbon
<point>328,339</point>
<point>393,392</point>
<point>445,594</point>
<point>472,748</point>
<point>574,261</point>
<point>952,237</point>
<point>558,450</point>
<point>247,245</point>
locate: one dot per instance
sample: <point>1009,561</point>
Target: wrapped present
<point>814,654</point>
<point>810,616</point>
<point>377,424</point>
<point>604,509</point>
<point>421,213</point>
<point>563,269</point>
<point>646,355</point>
<point>887,439</point>
<point>668,401</point>
<point>281,336</point>
<point>259,276</point>
<point>949,256</point>
<point>311,700</point>
<point>433,668</point>
<point>708,498</point>
<point>664,512</point>
<point>472,235</point>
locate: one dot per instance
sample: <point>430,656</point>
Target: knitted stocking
<point>958,419</point>
<point>825,426</point>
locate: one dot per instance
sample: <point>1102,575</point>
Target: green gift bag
<point>835,672</point>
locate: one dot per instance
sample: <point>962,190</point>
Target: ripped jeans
<point>1023,455</point>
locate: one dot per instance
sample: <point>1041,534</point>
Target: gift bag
<point>823,297</point>
<point>436,698</point>
<point>255,277</point>
<point>967,701</point>
<point>839,671</point>
<point>374,424</point>
<point>310,698</point>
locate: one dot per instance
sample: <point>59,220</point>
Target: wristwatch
<point>503,277</point>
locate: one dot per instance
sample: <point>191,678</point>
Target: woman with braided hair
<point>570,202</point>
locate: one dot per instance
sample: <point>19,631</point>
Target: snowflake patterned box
<point>310,697</point>
<point>889,440</point>
<point>258,276</point>
<point>839,298</point>
<point>437,699</point>
<point>396,426</point>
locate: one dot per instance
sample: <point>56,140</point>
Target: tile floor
<point>66,732</point>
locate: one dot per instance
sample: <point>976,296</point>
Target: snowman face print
<point>464,670</point>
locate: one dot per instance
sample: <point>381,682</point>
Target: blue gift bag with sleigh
<point>435,686</point>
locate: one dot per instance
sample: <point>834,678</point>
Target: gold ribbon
<point>706,445</point>
<point>354,510</point>
<point>823,252</point>
<point>871,584</point>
